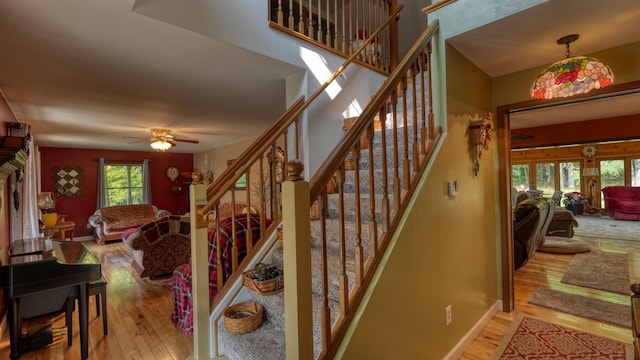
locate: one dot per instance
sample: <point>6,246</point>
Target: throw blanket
<point>182,314</point>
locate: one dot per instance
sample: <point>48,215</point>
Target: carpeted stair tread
<point>349,207</point>
<point>365,183</point>
<point>333,236</point>
<point>333,265</point>
<point>263,342</point>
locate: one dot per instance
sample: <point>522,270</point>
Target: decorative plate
<point>589,150</point>
<point>172,173</point>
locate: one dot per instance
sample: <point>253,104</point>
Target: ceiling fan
<point>162,140</point>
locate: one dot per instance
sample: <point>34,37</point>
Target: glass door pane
<point>570,176</point>
<point>520,177</point>
<point>545,179</point>
<point>635,172</point>
<point>611,174</point>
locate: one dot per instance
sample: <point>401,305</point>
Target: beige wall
<point>446,250</point>
<point>216,159</point>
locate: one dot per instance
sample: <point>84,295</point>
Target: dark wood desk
<point>41,275</point>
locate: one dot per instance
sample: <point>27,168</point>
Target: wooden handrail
<point>436,6</point>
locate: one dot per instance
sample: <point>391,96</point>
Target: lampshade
<point>45,201</point>
<point>571,75</point>
<point>160,145</point>
<point>590,172</point>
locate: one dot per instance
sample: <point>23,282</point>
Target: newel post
<point>296,231</point>
<point>200,273</point>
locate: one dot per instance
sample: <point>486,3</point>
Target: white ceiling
<point>92,73</point>
<point>528,40</point>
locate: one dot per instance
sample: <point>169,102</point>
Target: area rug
<point>606,227</point>
<point>608,271</point>
<point>530,339</point>
<point>586,307</point>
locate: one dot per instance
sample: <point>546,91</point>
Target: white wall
<point>243,23</point>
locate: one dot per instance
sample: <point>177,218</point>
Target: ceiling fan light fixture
<point>161,145</point>
<point>571,75</point>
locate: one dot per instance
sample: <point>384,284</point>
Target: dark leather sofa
<point>531,219</point>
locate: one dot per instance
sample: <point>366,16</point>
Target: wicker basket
<point>279,234</point>
<point>314,211</point>
<point>243,317</point>
<point>250,279</point>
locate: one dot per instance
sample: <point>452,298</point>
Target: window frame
<point>129,166</point>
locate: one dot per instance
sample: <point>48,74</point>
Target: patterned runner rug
<point>529,338</point>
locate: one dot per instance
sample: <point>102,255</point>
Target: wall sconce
<point>480,131</point>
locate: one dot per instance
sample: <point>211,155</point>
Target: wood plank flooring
<point>139,313</point>
<point>139,310</point>
<point>546,270</point>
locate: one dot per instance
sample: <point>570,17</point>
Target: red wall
<point>617,128</point>
<point>79,208</point>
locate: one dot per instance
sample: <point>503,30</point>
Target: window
<point>612,172</point>
<point>635,172</point>
<point>570,176</point>
<point>520,177</point>
<point>545,178</point>
<point>123,184</point>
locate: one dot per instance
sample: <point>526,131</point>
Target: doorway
<point>504,172</point>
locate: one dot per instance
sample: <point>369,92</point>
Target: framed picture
<point>241,183</point>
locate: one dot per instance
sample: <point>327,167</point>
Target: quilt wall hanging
<point>67,181</point>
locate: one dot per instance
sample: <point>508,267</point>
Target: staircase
<point>374,182</point>
<point>353,205</point>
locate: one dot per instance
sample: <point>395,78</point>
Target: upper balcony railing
<point>342,26</point>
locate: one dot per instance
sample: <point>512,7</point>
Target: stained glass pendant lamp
<point>571,75</point>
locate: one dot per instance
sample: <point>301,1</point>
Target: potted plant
<point>574,201</point>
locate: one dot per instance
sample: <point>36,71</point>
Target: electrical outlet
<point>448,315</point>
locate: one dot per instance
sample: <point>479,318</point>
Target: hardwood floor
<point>139,310</point>
<point>546,270</point>
<point>138,314</point>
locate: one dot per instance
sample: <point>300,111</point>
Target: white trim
<point>462,345</point>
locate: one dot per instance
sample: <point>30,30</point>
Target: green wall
<point>445,252</point>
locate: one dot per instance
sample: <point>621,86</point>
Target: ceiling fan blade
<point>186,141</point>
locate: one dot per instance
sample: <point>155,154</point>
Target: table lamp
<point>46,203</point>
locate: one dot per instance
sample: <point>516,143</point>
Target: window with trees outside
<point>570,176</point>
<point>520,177</point>
<point>545,177</point>
<point>635,172</point>
<point>123,184</point>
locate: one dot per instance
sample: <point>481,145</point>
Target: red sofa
<point>622,202</point>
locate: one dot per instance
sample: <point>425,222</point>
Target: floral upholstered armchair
<point>160,246</point>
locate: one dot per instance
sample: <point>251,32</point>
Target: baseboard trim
<point>473,333</point>
<point>84,238</point>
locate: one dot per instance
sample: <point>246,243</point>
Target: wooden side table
<point>59,230</point>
